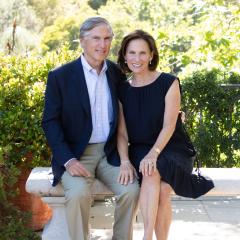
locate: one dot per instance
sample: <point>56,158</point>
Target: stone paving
<point>208,218</point>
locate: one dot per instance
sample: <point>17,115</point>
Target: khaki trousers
<point>78,196</point>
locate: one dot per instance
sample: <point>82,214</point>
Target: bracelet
<point>157,150</point>
<point>125,161</point>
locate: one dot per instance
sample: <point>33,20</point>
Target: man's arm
<point>51,122</point>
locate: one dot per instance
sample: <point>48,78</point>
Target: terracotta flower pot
<point>41,213</point>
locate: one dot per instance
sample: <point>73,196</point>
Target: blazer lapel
<point>81,85</point>
<point>112,87</point>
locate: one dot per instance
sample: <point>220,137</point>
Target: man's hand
<point>127,173</point>
<point>75,168</point>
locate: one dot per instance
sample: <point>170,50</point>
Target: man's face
<point>96,44</point>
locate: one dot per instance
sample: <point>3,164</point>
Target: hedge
<point>211,100</point>
<point>213,118</point>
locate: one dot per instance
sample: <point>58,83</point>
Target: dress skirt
<point>176,169</point>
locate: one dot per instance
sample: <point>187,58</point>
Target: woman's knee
<point>165,191</point>
<point>152,179</point>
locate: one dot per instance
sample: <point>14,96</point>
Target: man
<point>80,122</point>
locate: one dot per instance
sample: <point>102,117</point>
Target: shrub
<point>12,221</point>
<point>22,86</point>
<point>22,142</point>
<point>213,113</point>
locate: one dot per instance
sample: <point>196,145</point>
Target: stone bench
<point>226,180</point>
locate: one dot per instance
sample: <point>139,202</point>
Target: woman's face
<point>138,56</point>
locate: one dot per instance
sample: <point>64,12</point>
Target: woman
<point>151,136</point>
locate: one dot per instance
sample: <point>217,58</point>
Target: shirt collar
<point>89,68</point>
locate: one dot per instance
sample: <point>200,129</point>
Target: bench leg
<point>56,228</point>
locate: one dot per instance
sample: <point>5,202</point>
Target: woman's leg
<point>164,214</point>
<point>149,195</point>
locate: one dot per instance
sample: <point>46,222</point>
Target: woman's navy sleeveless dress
<point>143,109</point>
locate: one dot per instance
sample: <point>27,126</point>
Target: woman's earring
<point>150,62</point>
<point>125,61</point>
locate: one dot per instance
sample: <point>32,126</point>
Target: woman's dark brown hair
<point>138,34</point>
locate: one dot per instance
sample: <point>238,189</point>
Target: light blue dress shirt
<point>100,101</point>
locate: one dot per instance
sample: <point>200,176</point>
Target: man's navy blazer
<point>67,121</point>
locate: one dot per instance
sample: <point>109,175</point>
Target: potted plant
<point>23,145</point>
<point>13,222</point>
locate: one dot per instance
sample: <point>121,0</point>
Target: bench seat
<point>226,182</point>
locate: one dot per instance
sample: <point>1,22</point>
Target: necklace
<point>140,83</point>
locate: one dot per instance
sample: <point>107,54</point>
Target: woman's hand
<point>183,116</point>
<point>127,173</point>
<point>148,163</point>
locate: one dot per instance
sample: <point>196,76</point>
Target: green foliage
<point>22,85</point>
<point>19,10</point>
<point>21,103</point>
<point>13,222</point>
<point>46,10</point>
<point>213,113</point>
<point>194,35</point>
<point>127,22</point>
<point>22,142</point>
<point>28,25</point>
<point>65,30</point>
<point>191,35</point>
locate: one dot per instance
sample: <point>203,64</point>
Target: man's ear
<point>81,42</point>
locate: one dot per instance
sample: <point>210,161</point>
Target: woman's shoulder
<point>168,76</point>
<point>166,80</point>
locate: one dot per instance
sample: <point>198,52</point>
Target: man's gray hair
<point>91,23</point>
